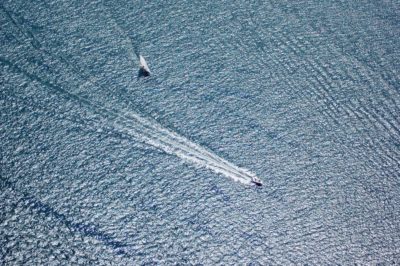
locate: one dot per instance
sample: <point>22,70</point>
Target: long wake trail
<point>141,128</point>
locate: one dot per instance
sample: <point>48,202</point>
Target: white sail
<point>143,64</point>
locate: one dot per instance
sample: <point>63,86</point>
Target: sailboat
<point>144,68</point>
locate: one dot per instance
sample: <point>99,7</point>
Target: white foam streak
<point>154,134</point>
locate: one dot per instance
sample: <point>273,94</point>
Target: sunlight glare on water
<point>101,165</point>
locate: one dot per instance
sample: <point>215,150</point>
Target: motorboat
<point>256,181</point>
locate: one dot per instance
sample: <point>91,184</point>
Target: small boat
<point>144,68</point>
<point>256,180</point>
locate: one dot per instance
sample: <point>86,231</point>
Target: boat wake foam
<point>170,142</point>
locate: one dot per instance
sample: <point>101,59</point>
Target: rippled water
<point>100,166</point>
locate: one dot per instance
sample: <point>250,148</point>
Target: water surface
<point>100,166</point>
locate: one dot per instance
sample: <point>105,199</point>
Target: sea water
<point>102,166</point>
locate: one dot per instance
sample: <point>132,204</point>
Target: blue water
<point>101,166</point>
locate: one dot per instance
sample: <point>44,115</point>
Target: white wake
<point>170,142</point>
